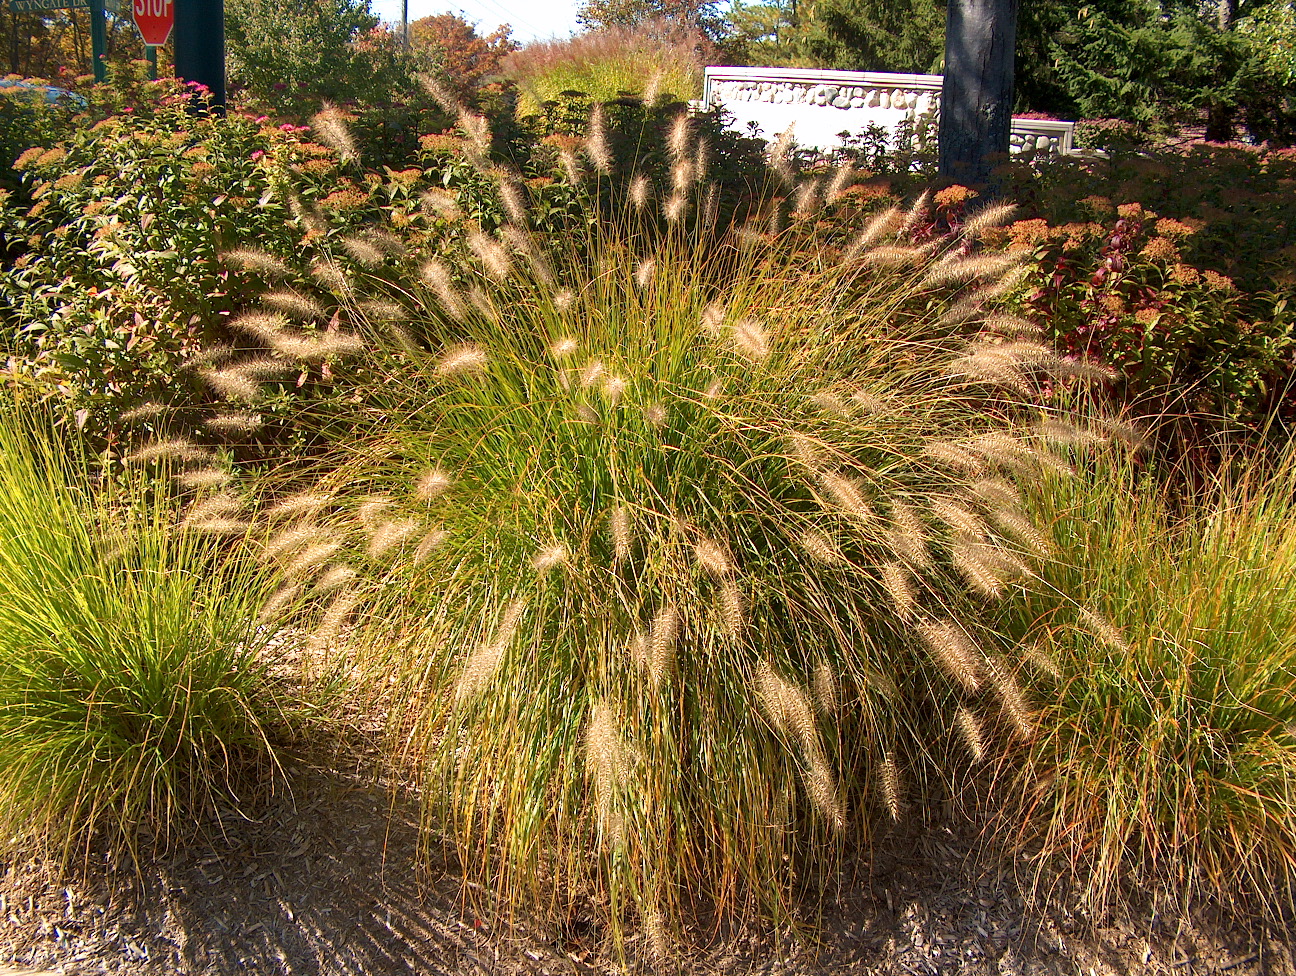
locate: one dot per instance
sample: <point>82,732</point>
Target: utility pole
<point>200,46</point>
<point>977,96</point>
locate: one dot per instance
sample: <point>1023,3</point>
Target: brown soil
<point>322,882</point>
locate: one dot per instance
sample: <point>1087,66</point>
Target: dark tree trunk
<point>977,97</point>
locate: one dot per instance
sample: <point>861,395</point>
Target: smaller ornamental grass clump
<point>660,542</point>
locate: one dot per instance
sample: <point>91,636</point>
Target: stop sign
<point>154,18</point>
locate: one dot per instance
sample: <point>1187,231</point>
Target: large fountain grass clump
<point>663,547</point>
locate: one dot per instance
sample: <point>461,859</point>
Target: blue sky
<point>530,19</point>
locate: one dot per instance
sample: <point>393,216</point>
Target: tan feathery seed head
<point>605,759</point>
<point>613,388</point>
<point>868,402</point>
<point>549,558</point>
<point>681,176</point>
<point>430,541</point>
<point>652,90</point>
<point>892,787</point>
<point>916,213</point>
<point>432,483</point>
<point>307,214</point>
<point>491,254</point>
<point>831,403</point>
<point>293,538</point>
<point>263,368</point>
<point>331,129</point>
<point>1020,528</point>
<point>215,506</point>
<point>678,139</point>
<point>751,339</point>
<point>1005,451</point>
<point>261,326</point>
<point>204,478</point>
<point>879,226</point>
<point>512,197</point>
<point>968,727</point>
<point>172,449</point>
<point>952,649</point>
<point>596,144</point>
<point>662,637</point>
<point>437,276</point>
<point>310,558</point>
<point>572,168</point>
<point>1067,434</point>
<point>619,525</point>
<point>821,786</point>
<point>329,345</point>
<point>655,930</point>
<point>981,573</point>
<point>821,548</point>
<point>1086,370</point>
<point>217,526</point>
<point>145,411</point>
<point>1101,627</point>
<point>252,259</point>
<point>988,365</point>
<point>733,608</point>
<point>389,535</point>
<point>780,155</point>
<point>890,256</point>
<point>371,510</point>
<point>714,389</point>
<point>656,414</point>
<point>479,300</point>
<point>806,198</point>
<point>899,586</point>
<point>592,373</point>
<point>996,493</point>
<point>908,539</point>
<point>460,360</point>
<point>586,414</point>
<point>712,319</point>
<point>482,664</point>
<point>994,215</point>
<point>644,274</point>
<point>279,602</point>
<point>961,519</point>
<point>847,494</point>
<point>300,504</point>
<point>363,250</point>
<point>476,129</point>
<point>331,277</point>
<point>639,192</point>
<point>978,267</point>
<point>1003,325</point>
<point>1038,655</point>
<point>234,424</point>
<point>335,618</point>
<point>562,348</point>
<point>441,202</point>
<point>953,456</point>
<point>294,304</point>
<point>1126,433</point>
<point>445,99</point>
<point>713,557</point>
<point>1011,698</point>
<point>824,688</point>
<point>334,578</point>
<point>522,241</point>
<point>674,208</point>
<point>702,161</point>
<point>841,178</point>
<point>232,384</point>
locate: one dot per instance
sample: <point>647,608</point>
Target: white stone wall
<point>821,105</point>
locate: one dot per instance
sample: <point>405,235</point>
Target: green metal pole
<point>150,55</point>
<point>199,40</point>
<point>98,39</point>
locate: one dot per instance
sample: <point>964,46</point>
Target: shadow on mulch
<point>323,882</point>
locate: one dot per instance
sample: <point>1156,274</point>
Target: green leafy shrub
<point>120,286</point>
<point>661,540</point>
<point>134,690</point>
<point>1166,756</point>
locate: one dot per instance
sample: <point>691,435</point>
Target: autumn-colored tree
<point>679,18</point>
<point>452,48</point>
